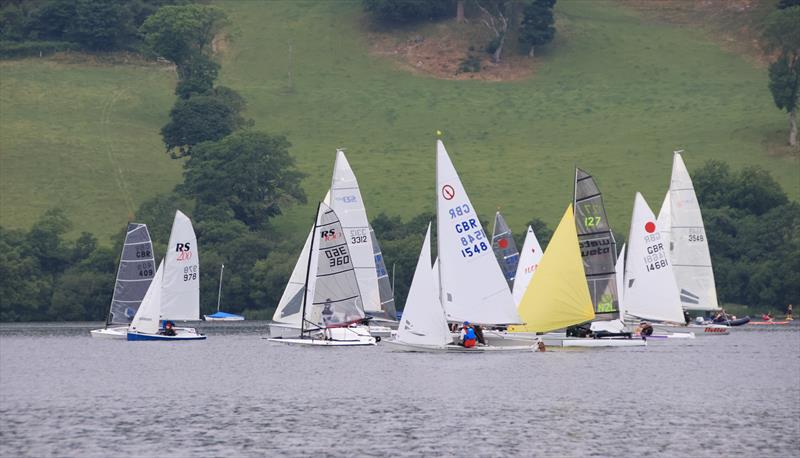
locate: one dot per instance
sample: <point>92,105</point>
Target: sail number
<point>591,221</point>
<point>146,272</point>
<point>190,273</point>
<point>143,254</point>
<point>358,236</point>
<point>696,238</point>
<point>655,259</point>
<point>337,257</point>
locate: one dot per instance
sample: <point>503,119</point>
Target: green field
<point>615,95</point>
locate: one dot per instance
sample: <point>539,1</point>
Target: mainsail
<point>528,262</point>
<point>620,272</point>
<point>180,299</point>
<point>346,201</point>
<point>472,286</point>
<point>388,310</point>
<point>332,296</point>
<point>664,222</point>
<point>148,316</point>
<point>505,249</point>
<point>558,295</point>
<point>135,273</point>
<point>291,302</point>
<point>423,321</point>
<point>650,289</point>
<point>598,247</point>
<point>689,253</point>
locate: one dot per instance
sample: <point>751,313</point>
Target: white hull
<point>319,342</point>
<point>119,332</point>
<point>453,348</point>
<point>698,330</point>
<point>556,339</point>
<point>669,336</point>
<point>349,336</point>
<point>381,331</point>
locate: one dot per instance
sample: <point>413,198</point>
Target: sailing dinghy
<point>423,326</point>
<point>174,293</point>
<point>558,296</point>
<point>650,291</point>
<point>220,315</point>
<point>134,275</point>
<point>331,304</point>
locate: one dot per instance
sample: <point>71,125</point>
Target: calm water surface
<point>63,393</point>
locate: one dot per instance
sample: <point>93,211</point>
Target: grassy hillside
<point>615,95</point>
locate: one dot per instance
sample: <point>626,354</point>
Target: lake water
<point>63,393</point>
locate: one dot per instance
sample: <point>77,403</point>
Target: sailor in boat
<point>645,330</point>
<point>540,347</point>
<point>686,317</point>
<point>789,313</point>
<point>479,334</point>
<point>766,316</point>
<point>169,329</point>
<point>468,337</point>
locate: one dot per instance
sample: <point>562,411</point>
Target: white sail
<point>619,270</point>
<point>423,321</point>
<point>436,276</point>
<point>148,316</point>
<point>346,201</point>
<point>690,257</point>
<point>664,222</point>
<point>290,305</point>
<point>650,291</point>
<point>529,259</point>
<point>180,299</point>
<point>473,287</point>
<point>332,285</point>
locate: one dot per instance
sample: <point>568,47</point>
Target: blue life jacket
<point>470,335</point>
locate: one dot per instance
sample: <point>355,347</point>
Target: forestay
<point>650,289</point>
<point>558,295</point>
<point>346,201</point>
<point>148,316</point>
<point>423,321</point>
<point>332,285</point>
<point>690,257</point>
<point>597,244</point>
<point>472,286</point>
<point>289,310</point>
<point>136,270</point>
<point>529,260</point>
<point>505,249</point>
<point>181,296</point>
<point>388,310</point>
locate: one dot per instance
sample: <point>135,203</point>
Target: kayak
<point>769,322</point>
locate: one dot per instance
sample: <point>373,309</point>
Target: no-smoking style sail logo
<point>448,192</point>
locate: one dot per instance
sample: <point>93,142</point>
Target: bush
<point>406,11</point>
<point>15,50</point>
<point>470,64</point>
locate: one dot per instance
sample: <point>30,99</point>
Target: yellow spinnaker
<point>558,295</point>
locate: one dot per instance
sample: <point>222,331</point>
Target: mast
<point>219,293</point>
<point>308,272</point>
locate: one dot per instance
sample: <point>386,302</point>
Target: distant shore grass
<point>614,95</point>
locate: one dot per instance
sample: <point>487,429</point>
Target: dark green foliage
<point>752,233</point>
<point>543,233</point>
<point>199,119</point>
<point>94,25</point>
<point>196,76</point>
<point>183,32</point>
<point>784,82</point>
<point>42,276</point>
<point>538,24</point>
<point>249,173</point>
<point>470,64</point>
<point>783,4</point>
<point>406,11</point>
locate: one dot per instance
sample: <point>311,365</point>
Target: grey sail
<point>336,296</point>
<point>598,247</point>
<point>389,312</point>
<point>505,249</point>
<point>136,270</point>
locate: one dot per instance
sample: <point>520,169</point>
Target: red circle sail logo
<point>650,227</point>
<point>503,243</point>
<point>448,192</point>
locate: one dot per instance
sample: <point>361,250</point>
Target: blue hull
<point>134,336</point>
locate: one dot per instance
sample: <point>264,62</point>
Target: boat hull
<point>768,323</point>
<point>209,318</point>
<point>181,334</point>
<point>454,348</point>
<point>698,330</point>
<point>119,332</point>
<point>561,340</point>
<point>314,342</point>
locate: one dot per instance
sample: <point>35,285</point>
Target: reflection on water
<point>65,394</point>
